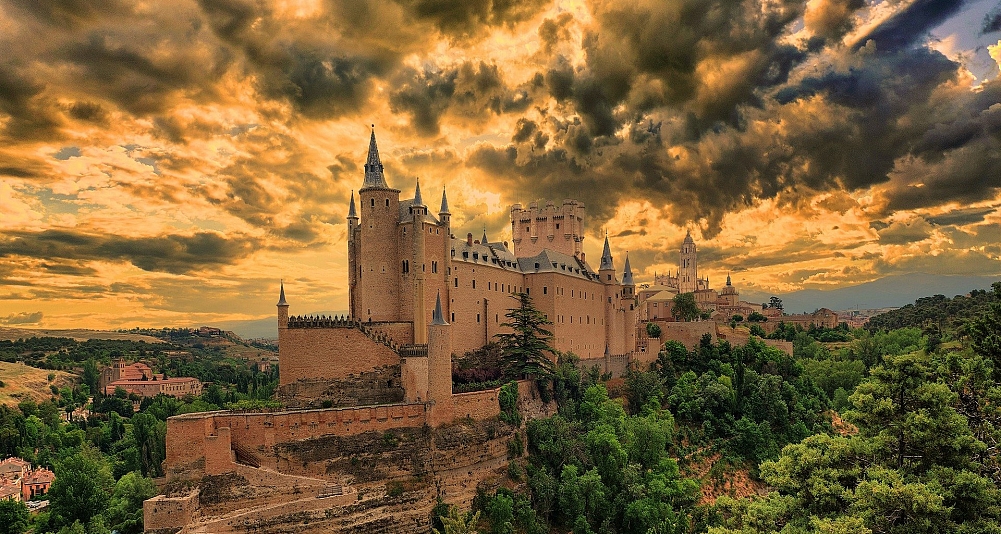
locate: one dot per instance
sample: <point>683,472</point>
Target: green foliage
<point>947,314</point>
<point>456,522</point>
<point>756,317</point>
<point>685,307</point>
<point>125,509</point>
<point>508,399</point>
<point>653,330</point>
<point>150,435</point>
<point>82,488</point>
<point>526,349</point>
<point>13,517</point>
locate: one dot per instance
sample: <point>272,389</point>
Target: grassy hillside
<point>24,382</point>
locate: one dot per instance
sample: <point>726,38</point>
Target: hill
<point>13,334</point>
<point>24,382</point>
<point>944,312</point>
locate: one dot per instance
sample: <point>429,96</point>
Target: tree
<point>775,302</point>
<point>125,510</point>
<point>685,307</point>
<point>527,348</point>
<point>13,517</point>
<point>457,522</point>
<point>82,487</point>
<point>151,439</point>
<point>653,330</point>
<point>91,375</point>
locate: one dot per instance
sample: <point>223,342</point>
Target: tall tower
<point>628,303</point>
<point>418,266</point>
<point>354,273</point>
<point>378,258</point>
<point>446,222</point>
<point>610,299</point>
<point>439,336</point>
<point>688,272</point>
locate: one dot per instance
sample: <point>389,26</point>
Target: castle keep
<point>410,277</point>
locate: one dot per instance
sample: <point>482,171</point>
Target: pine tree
<point>526,350</point>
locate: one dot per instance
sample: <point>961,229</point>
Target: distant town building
<point>138,378</point>
<point>19,482</point>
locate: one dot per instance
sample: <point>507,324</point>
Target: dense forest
<point>869,431</point>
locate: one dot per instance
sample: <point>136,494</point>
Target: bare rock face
<point>381,385</point>
<point>373,482</point>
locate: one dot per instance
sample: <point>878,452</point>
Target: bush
<point>508,399</point>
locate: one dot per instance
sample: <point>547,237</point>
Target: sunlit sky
<point>166,163</point>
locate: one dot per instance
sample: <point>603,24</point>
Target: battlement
<point>322,321</point>
<point>550,227</point>
<point>413,351</point>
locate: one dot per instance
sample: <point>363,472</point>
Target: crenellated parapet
<point>322,321</point>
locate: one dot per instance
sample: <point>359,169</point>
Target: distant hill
<point>890,291</point>
<point>13,334</point>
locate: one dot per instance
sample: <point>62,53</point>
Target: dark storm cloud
<point>900,233</point>
<point>832,19</point>
<point>69,13</point>
<point>176,254</point>
<point>961,217</point>
<point>21,318</point>
<point>21,99</point>
<point>471,90</point>
<point>992,21</point>
<point>466,18</point>
<point>911,24</point>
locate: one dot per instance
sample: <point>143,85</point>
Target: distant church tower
<point>688,272</point>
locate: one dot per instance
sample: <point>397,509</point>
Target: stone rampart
<point>163,513</point>
<point>381,385</point>
<point>331,352</point>
<point>477,405</point>
<point>203,443</point>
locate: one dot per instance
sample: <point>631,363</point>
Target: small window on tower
<point>373,202</point>
<point>387,202</point>
<point>557,226</point>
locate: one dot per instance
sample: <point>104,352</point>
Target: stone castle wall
<point>477,405</point>
<point>329,353</point>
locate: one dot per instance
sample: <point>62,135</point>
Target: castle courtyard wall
<point>329,353</point>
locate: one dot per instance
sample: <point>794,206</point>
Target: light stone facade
<point>405,262</point>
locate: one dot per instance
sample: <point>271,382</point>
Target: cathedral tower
<point>688,272</point>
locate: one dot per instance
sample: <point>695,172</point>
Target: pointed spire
<point>727,278</point>
<point>483,240</point>
<point>418,201</point>
<point>352,211</point>
<point>627,273</point>
<point>373,166</point>
<point>606,256</point>
<point>688,237</point>
<point>444,202</point>
<point>437,318</point>
<point>281,295</point>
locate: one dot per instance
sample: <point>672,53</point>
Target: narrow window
<point>545,290</point>
<point>387,202</point>
<point>453,317</point>
<point>373,202</point>
<point>456,282</point>
<point>474,284</point>
<point>477,317</point>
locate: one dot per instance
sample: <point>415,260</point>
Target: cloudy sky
<point>167,162</point>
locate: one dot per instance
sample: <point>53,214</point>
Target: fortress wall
<point>576,307</point>
<point>381,385</point>
<point>162,512</point>
<point>688,334</point>
<point>326,353</point>
<point>477,405</point>
<point>476,313</point>
<point>204,441</point>
<point>402,333</point>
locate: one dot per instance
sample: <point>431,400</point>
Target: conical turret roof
<point>281,295</point>
<point>627,273</point>
<point>352,211</point>
<point>437,317</point>
<point>483,240</point>
<point>606,257</point>
<point>374,177</point>
<point>444,202</point>
<point>418,200</point>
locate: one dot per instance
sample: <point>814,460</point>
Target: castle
<point>408,275</point>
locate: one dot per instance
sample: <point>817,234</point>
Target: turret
<point>443,212</point>
<point>353,270</point>
<point>282,308</point>
<point>440,367</point>
<point>607,268</point>
<point>418,266</point>
<point>688,271</point>
<point>628,286</point>
<point>378,248</point>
